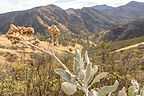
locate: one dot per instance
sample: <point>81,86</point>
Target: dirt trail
<point>129,47</point>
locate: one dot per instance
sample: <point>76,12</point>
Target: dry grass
<point>7,48</point>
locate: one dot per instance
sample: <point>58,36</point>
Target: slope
<point>126,12</point>
<point>10,53</point>
<point>84,21</point>
<point>124,31</point>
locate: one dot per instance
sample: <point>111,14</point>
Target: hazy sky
<point>13,5</point>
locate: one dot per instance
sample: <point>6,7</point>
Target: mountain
<point>77,22</point>
<point>38,18</point>
<point>124,31</point>
<point>88,20</point>
<point>126,12</point>
<point>102,7</point>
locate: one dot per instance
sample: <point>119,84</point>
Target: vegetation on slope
<point>124,31</point>
<point>124,43</point>
<point>35,76</point>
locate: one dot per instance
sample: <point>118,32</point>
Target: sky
<point>16,5</point>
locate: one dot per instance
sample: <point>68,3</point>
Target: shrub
<point>37,78</point>
<point>132,90</point>
<point>83,78</point>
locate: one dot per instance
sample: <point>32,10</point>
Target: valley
<point>50,51</point>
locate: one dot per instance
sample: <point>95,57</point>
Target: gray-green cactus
<point>83,78</point>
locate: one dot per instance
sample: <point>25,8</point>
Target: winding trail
<point>128,47</point>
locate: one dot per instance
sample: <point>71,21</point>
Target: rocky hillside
<point>88,20</point>
<point>77,22</point>
<point>83,21</point>
<point>124,31</point>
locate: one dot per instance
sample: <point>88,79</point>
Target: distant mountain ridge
<point>77,22</point>
<point>102,7</point>
<point>126,12</point>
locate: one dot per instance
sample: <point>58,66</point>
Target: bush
<point>36,77</point>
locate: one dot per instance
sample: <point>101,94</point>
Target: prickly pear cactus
<point>83,78</point>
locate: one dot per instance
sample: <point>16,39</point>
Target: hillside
<point>126,12</point>
<point>11,53</point>
<point>82,21</point>
<point>124,43</point>
<point>77,22</point>
<point>92,51</point>
<point>90,19</point>
<point>124,31</point>
<point>129,47</point>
